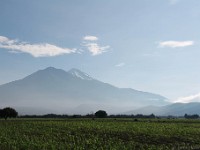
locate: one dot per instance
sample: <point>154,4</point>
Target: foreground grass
<point>99,134</point>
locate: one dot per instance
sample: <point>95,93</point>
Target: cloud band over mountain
<point>188,99</point>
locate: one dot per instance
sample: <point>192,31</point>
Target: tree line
<point>9,112</point>
<point>195,116</point>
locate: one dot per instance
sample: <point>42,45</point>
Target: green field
<point>106,134</point>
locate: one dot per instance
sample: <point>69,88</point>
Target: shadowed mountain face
<point>176,109</point>
<point>56,91</point>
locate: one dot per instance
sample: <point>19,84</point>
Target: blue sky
<point>149,45</point>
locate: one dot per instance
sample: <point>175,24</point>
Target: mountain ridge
<point>62,90</point>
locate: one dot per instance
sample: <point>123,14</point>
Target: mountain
<point>56,91</point>
<point>176,109</point>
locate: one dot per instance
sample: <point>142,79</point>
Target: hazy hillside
<point>176,109</point>
<point>59,91</point>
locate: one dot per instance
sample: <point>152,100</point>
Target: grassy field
<point>106,134</point>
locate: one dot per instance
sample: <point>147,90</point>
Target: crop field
<point>63,134</point>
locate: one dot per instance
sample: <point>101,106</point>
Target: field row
<point>99,134</point>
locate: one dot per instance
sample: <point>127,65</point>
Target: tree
<point>1,113</point>
<point>152,116</point>
<point>186,115</point>
<point>8,113</point>
<point>101,114</point>
<point>195,116</point>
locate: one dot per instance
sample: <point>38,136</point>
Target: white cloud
<point>120,64</point>
<point>90,38</point>
<point>175,44</point>
<point>95,49</point>
<point>3,39</point>
<point>191,98</point>
<point>48,50</point>
<point>36,50</point>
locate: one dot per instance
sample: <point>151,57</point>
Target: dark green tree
<point>1,113</point>
<point>8,112</point>
<point>101,114</point>
<point>195,116</point>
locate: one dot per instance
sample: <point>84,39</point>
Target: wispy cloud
<point>90,38</point>
<point>191,98</point>
<point>93,47</point>
<point>120,64</point>
<point>49,50</point>
<point>5,40</point>
<point>176,44</point>
<point>36,50</point>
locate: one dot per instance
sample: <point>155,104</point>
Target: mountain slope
<point>60,91</point>
<point>176,109</point>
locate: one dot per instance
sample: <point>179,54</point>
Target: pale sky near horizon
<point>148,45</point>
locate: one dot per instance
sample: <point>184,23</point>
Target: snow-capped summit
<point>79,74</point>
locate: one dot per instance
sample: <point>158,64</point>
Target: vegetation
<point>90,116</point>
<point>118,132</point>
<point>195,116</point>
<point>101,114</point>
<point>8,112</point>
<point>106,133</point>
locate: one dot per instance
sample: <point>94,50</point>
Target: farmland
<point>99,134</point>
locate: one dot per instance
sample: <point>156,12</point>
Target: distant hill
<point>176,109</point>
<point>59,91</point>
